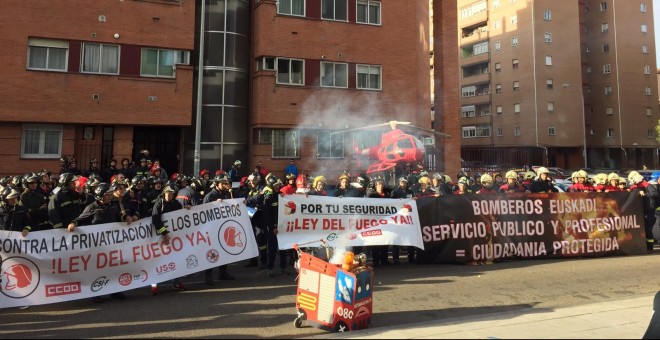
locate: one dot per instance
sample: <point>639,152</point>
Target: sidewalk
<point>621,319</point>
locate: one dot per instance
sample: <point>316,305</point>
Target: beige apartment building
<point>559,83</point>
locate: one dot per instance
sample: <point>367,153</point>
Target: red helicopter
<point>396,147</point>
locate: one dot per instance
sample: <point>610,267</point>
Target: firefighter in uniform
<point>270,211</point>
<point>35,204</point>
<point>66,205</point>
<point>542,182</point>
<point>165,203</point>
<point>221,190</point>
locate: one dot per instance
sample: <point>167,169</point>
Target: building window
<point>516,130</point>
<point>548,60</point>
<point>551,106</point>
<point>334,10</point>
<point>642,7</point>
<point>265,63</point>
<point>291,7</point>
<point>498,46</point>
<point>514,63</point>
<point>469,91</point>
<point>516,108</point>
<point>610,133</point>
<point>609,111</point>
<point>604,27</point>
<point>647,91</point>
<point>514,41</point>
<point>46,54</point>
<point>498,88</point>
<point>476,131</point>
<point>330,145</point>
<point>480,48</point>
<point>498,67</point>
<point>496,4</point>
<point>549,83</point>
<point>100,58</point>
<point>608,90</point>
<point>368,12</point>
<point>547,37</point>
<point>264,136</point>
<point>514,19</point>
<point>606,48</point>
<point>161,63</point>
<point>499,132</point>
<point>498,109</point>
<point>644,30</point>
<point>547,14</point>
<point>649,133</point>
<point>645,49</point>
<point>647,69</point>
<point>468,111</point>
<point>603,6</point>
<point>496,25</point>
<point>648,112</point>
<point>41,141</point>
<point>516,85</point>
<point>334,74</point>
<point>607,69</point>
<point>368,77</point>
<point>290,71</point>
<point>286,143</point>
<point>551,130</point>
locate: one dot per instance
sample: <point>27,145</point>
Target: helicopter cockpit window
<point>419,144</point>
<point>404,143</point>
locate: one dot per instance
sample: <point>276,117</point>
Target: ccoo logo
<point>20,277</point>
<point>231,236</point>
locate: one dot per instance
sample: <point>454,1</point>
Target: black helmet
<point>180,178</point>
<point>5,180</point>
<point>220,178</point>
<point>137,179</point>
<point>64,161</point>
<point>151,179</point>
<point>95,176</point>
<point>92,183</point>
<point>272,179</point>
<point>66,178</point>
<point>102,189</point>
<point>196,184</point>
<point>17,181</point>
<point>31,178</point>
<point>116,185</point>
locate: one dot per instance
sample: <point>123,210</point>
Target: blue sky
<point>656,22</point>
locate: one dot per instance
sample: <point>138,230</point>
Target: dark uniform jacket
<point>98,213</point>
<point>161,207</point>
<point>36,209</point>
<point>16,219</point>
<point>63,208</point>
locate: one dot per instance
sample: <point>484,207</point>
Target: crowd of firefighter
<point>127,191</point>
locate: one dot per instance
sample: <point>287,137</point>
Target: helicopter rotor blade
<point>429,131</point>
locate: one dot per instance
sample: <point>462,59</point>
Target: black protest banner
<point>491,228</point>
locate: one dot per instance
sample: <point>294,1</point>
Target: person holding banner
<point>512,184</point>
<point>270,208</point>
<point>650,202</point>
<point>221,190</point>
<point>463,187</point>
<point>16,219</point>
<point>402,191</point>
<point>318,187</point>
<point>542,182</point>
<point>580,183</point>
<point>106,209</point>
<point>486,185</point>
<point>65,206</point>
<point>164,204</point>
<point>379,253</point>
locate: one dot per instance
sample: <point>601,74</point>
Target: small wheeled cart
<point>331,296</point>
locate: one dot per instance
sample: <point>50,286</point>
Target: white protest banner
<point>58,265</point>
<point>348,221</point>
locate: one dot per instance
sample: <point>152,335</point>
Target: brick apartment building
<point>279,79</point>
<point>99,79</point>
<point>558,83</point>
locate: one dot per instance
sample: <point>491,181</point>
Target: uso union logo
<point>232,237</point>
<point>20,277</point>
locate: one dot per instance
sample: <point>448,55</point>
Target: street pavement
<point>621,319</point>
